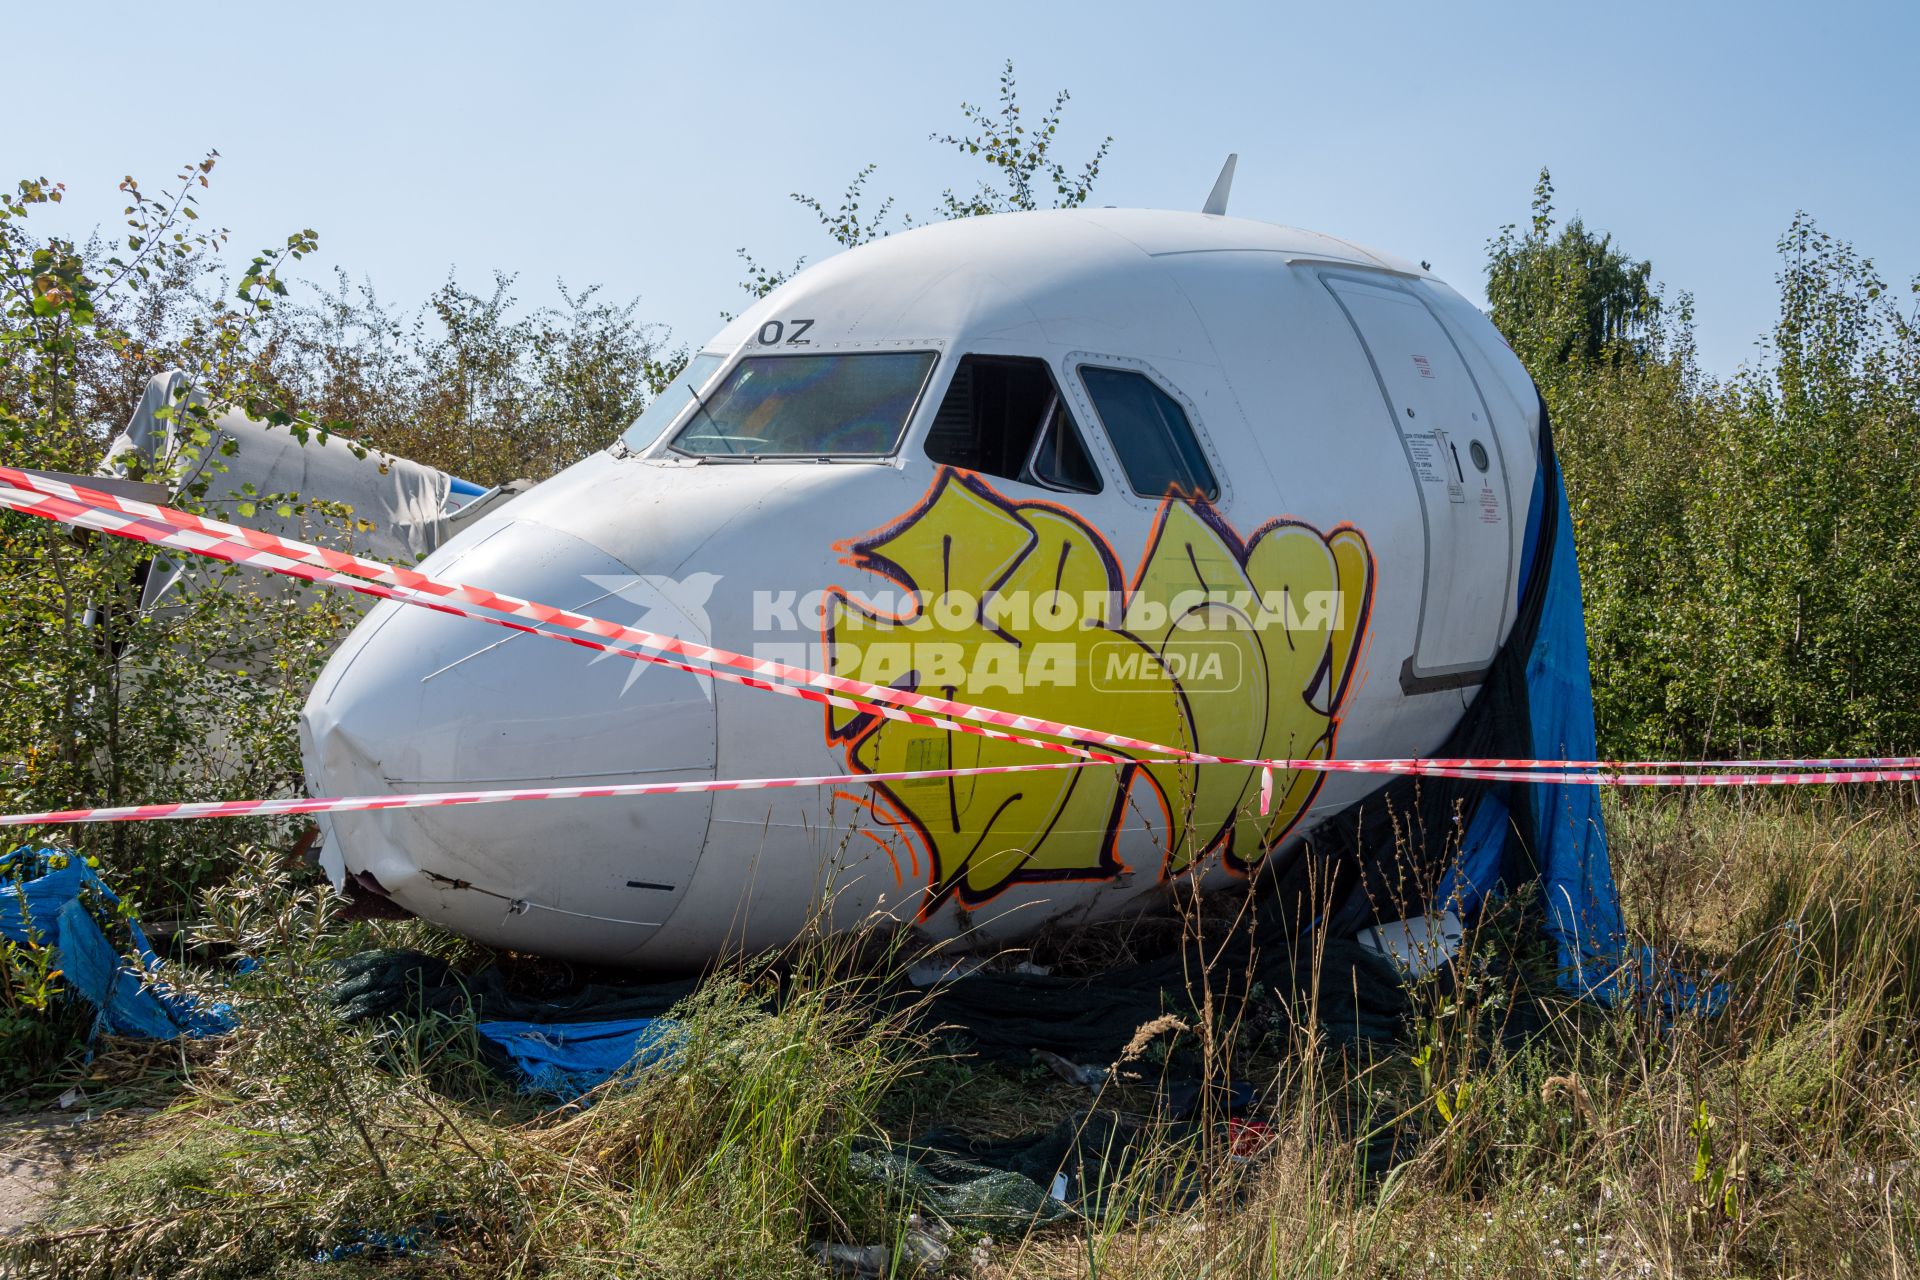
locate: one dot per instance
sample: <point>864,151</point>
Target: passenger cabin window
<point>1003,416</point>
<point>812,406</point>
<point>1150,432</point>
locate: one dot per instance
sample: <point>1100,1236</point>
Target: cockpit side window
<point>675,396</point>
<point>1003,416</point>
<point>1150,432</point>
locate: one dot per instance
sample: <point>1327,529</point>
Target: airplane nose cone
<point>420,701</point>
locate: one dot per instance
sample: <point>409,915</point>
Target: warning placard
<point>1424,450</point>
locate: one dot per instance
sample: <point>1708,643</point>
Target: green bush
<point>1747,544</point>
<point>99,703</point>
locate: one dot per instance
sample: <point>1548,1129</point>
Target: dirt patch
<point>38,1153</point>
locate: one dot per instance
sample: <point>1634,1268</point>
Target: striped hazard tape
<point>187,532</point>
<point>437,799</point>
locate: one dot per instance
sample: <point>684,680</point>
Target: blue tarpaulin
<point>44,899</point>
<point>1583,906</point>
<point>50,897</point>
<point>566,1059</point>
<point>1569,834</point>
<point>1549,716</point>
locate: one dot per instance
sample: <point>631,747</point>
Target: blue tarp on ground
<point>49,898</point>
<point>566,1059</point>
<point>44,900</point>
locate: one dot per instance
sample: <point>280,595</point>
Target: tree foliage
<point>1747,544</point>
<point>100,703</point>
<point>1568,296</point>
<point>1020,157</point>
<point>1024,173</point>
<point>467,382</point>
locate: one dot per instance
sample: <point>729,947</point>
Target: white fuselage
<point>1370,441</point>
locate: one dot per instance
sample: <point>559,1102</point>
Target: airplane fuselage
<point>1199,480</point>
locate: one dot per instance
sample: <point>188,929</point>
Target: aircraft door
<point>1446,432</point>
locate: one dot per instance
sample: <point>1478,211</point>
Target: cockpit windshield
<point>673,397</point>
<point>851,405</point>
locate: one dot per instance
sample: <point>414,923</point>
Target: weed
<point>1511,1132</point>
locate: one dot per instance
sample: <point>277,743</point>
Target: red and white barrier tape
<point>237,544</point>
<point>232,551</point>
<point>234,544</point>
<point>436,799</point>
<point>207,543</point>
<point>102,504</point>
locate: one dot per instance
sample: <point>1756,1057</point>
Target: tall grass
<point>1777,1138</point>
<point>306,1134</point>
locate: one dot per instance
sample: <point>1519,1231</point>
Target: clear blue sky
<point>639,145</point>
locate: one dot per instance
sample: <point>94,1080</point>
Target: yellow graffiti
<point>1224,646</point>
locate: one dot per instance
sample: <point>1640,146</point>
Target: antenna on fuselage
<point>1222,186</point>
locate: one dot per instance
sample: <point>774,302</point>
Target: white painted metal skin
<point>1254,329</point>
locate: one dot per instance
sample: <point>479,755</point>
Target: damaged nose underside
<point>418,701</point>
